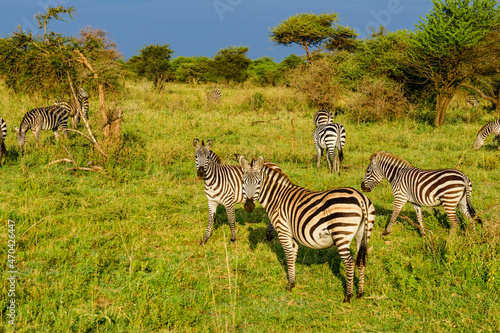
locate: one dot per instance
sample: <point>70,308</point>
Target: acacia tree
<point>230,64</point>
<point>153,62</point>
<point>306,30</point>
<point>344,38</point>
<point>448,42</point>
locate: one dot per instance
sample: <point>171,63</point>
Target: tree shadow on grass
<point>305,256</point>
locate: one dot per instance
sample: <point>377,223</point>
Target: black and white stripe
<point>317,220</point>
<point>323,117</point>
<point>429,188</point>
<point>472,101</point>
<point>330,137</point>
<point>223,185</point>
<point>3,135</point>
<point>214,96</point>
<point>46,118</point>
<point>485,131</point>
<point>76,109</point>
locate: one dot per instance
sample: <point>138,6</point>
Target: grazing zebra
<point>330,137</point>
<point>3,134</point>
<point>76,109</point>
<point>472,101</point>
<point>428,188</point>
<point>322,117</point>
<point>485,131</point>
<point>223,185</point>
<point>214,96</point>
<point>317,220</point>
<point>46,118</point>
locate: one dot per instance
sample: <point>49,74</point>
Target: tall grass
<point>119,250</point>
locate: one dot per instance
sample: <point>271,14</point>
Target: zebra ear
<point>210,143</point>
<point>244,163</point>
<point>259,163</point>
<point>196,142</point>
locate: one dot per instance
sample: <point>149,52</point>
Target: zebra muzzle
<point>249,205</point>
<point>201,173</point>
<point>364,188</point>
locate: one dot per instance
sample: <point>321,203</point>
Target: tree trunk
<point>442,101</point>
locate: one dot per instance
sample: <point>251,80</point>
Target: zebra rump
<point>3,134</point>
<point>330,137</point>
<point>76,109</point>
<point>323,117</point>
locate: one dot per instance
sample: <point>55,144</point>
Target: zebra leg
<point>361,243</point>
<point>318,156</point>
<point>345,254</point>
<point>291,248</point>
<point>36,133</point>
<point>212,209</point>
<point>420,219</point>
<point>462,206</point>
<point>230,217</point>
<point>395,212</point>
<point>452,215</point>
<point>270,232</point>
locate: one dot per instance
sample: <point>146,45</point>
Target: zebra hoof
<point>233,240</point>
<point>385,233</point>
<point>290,286</point>
<point>347,298</point>
<point>361,294</point>
<point>203,242</point>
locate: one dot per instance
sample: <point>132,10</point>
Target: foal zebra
<point>46,118</point>
<point>428,188</point>
<point>485,131</point>
<point>76,108</point>
<point>3,134</point>
<point>322,117</point>
<point>317,220</point>
<point>223,185</point>
<point>330,137</point>
<point>214,96</point>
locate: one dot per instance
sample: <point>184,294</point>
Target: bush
<point>379,100</point>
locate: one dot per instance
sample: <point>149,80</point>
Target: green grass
<point>119,250</point>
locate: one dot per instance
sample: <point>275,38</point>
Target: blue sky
<point>202,27</point>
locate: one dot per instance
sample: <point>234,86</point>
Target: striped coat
<point>76,109</point>
<point>317,220</point>
<point>3,135</point>
<point>223,185</point>
<point>46,118</point>
<point>429,188</point>
<point>330,137</point>
<point>485,131</point>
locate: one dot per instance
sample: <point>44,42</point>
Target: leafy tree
<point>192,69</point>
<point>292,61</point>
<point>343,39</point>
<point>448,42</point>
<point>265,71</point>
<point>305,30</point>
<point>153,62</point>
<point>230,64</point>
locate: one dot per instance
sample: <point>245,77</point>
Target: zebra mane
<point>273,168</point>
<point>380,154</point>
<point>215,157</point>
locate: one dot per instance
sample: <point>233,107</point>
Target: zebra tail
<point>363,249</point>
<point>470,208</point>
<point>339,149</point>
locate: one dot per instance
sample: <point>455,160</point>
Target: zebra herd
<point>323,219</point>
<point>53,117</point>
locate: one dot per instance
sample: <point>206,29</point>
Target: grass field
<point>119,251</point>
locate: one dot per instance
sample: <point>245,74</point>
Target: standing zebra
<point>46,118</point>
<point>485,131</point>
<point>323,116</point>
<point>428,188</point>
<point>330,137</point>
<point>317,220</point>
<point>223,185</point>
<point>76,108</point>
<point>472,101</point>
<point>3,134</point>
<point>214,96</point>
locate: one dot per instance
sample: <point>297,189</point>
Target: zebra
<point>76,108</point>
<point>316,220</point>
<point>223,185</point>
<point>485,131</point>
<point>472,101</point>
<point>45,118</point>
<point>214,96</point>
<point>428,188</point>
<point>3,134</point>
<point>330,137</point>
<point>323,116</point>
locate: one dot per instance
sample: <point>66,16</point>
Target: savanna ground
<point>119,250</point>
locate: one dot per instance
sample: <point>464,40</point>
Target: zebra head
<point>251,181</point>
<point>21,137</point>
<point>479,141</point>
<point>202,154</point>
<point>82,93</point>
<point>373,174</point>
